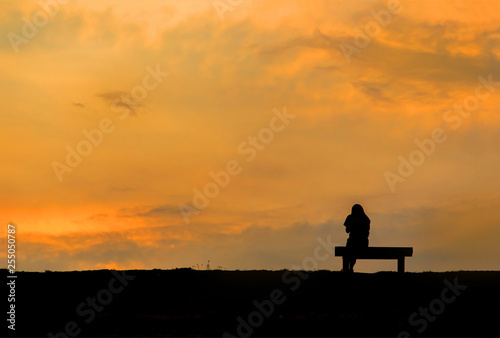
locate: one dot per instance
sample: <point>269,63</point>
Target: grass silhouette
<point>187,302</point>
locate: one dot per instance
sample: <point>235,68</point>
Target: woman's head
<point>357,210</point>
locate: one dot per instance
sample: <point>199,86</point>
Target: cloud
<point>317,40</point>
<point>99,217</point>
<point>372,90</point>
<point>436,232</point>
<point>440,234</point>
<point>120,99</point>
<point>160,211</point>
<point>353,123</point>
<point>155,248</point>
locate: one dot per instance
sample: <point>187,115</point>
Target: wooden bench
<point>374,253</point>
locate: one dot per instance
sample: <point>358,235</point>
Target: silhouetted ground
<point>185,302</point>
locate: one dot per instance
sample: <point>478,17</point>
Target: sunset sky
<point>336,96</point>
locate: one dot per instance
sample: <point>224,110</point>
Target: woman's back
<point>358,227</point>
<point>357,224</point>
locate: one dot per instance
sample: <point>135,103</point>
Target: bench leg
<point>401,264</point>
<point>345,264</point>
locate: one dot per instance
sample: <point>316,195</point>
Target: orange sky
<point>178,87</point>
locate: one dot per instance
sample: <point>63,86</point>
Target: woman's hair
<point>357,210</point>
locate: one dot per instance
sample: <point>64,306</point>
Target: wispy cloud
<point>160,211</point>
<point>121,99</point>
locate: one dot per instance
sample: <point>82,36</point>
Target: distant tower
<point>208,265</point>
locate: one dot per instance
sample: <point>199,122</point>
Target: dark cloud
<point>121,99</point>
<point>372,90</point>
<point>427,52</point>
<point>78,104</point>
<point>160,211</point>
<point>317,40</point>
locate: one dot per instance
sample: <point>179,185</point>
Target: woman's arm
<point>347,224</point>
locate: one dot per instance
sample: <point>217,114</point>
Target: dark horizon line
<point>240,270</point>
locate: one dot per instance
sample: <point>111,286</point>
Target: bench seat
<point>398,253</point>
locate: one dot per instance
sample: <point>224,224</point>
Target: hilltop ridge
<point>186,302</point>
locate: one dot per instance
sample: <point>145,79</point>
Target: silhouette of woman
<point>357,225</point>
